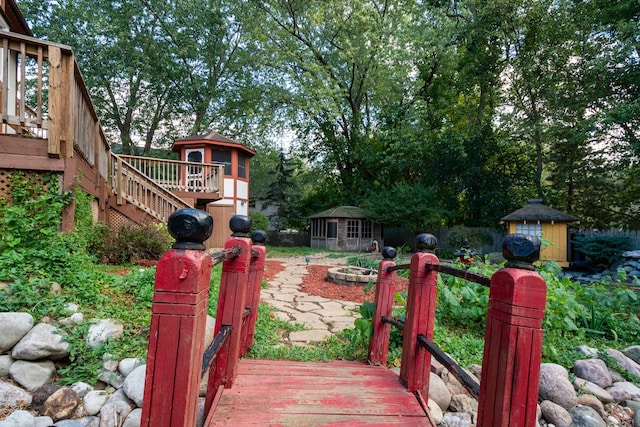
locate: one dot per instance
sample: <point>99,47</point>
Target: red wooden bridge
<point>284,393</point>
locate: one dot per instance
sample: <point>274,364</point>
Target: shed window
<point>332,230</point>
<point>242,166</point>
<point>530,229</point>
<point>366,229</point>
<point>352,229</point>
<point>224,157</point>
<point>318,228</point>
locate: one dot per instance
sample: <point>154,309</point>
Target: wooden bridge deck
<point>339,393</point>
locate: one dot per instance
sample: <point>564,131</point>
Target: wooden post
<point>231,307</point>
<point>176,339</point>
<point>256,270</point>
<point>421,313</point>
<point>513,339</point>
<point>385,287</point>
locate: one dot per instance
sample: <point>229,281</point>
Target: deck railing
<point>175,175</point>
<point>43,95</point>
<point>508,390</point>
<point>131,185</point>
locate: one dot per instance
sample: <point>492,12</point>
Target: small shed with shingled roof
<point>546,223</point>
<point>345,228</point>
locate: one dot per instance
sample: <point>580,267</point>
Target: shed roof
<point>341,212</point>
<point>536,211</point>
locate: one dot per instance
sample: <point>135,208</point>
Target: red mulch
<point>315,283</point>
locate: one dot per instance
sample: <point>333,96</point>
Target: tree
<point>283,196</point>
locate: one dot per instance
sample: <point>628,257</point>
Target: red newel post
<point>256,270</point>
<point>385,286</point>
<point>421,313</point>
<point>513,339</point>
<point>176,340</point>
<point>231,307</point>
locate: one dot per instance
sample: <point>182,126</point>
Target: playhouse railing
<point>176,357</point>
<point>508,390</point>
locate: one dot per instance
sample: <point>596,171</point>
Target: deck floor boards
<point>339,393</point>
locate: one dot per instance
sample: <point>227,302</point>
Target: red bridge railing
<point>508,390</point>
<point>176,357</point>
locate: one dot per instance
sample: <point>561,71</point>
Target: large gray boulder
<point>14,327</point>
<point>42,342</point>
<point>555,385</point>
<point>12,396</point>
<point>134,385</point>
<point>32,375</point>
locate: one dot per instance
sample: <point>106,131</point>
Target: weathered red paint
<point>176,340</point>
<point>256,270</point>
<point>385,285</point>
<point>420,319</point>
<point>512,350</point>
<point>231,307</point>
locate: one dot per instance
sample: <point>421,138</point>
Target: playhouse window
<point>242,166</point>
<point>530,229</point>
<point>224,157</point>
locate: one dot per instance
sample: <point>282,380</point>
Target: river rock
<point>61,404</point>
<point>5,365</point>
<point>555,414</point>
<point>102,331</point>
<point>42,342</point>
<point>94,401</point>
<point>585,416</point>
<point>134,385</point>
<point>13,396</point>
<point>632,353</point>
<point>19,419</point>
<point>624,391</point>
<point>593,402</point>
<point>114,414</point>
<point>134,419</point>
<point>126,366</point>
<point>14,327</point>
<point>625,362</point>
<point>588,387</point>
<point>555,385</point>
<point>32,375</point>
<point>439,392</point>
<point>593,370</point>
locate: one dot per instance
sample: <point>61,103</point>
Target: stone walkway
<point>321,316</point>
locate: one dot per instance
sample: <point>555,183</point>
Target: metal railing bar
<point>393,322</point>
<point>468,382</point>
<point>225,254</point>
<point>214,348</point>
<point>398,267</point>
<point>461,273</point>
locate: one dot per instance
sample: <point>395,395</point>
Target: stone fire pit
<point>350,276</point>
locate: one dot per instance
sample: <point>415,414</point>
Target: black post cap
<point>240,225</point>
<point>259,237</point>
<point>426,242</point>
<point>521,250</point>
<point>389,253</point>
<point>190,227</point>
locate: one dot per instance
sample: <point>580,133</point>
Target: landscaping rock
<point>438,392</point>
<point>69,423</point>
<point>555,414</point>
<point>12,396</point>
<point>585,416</point>
<point>126,366</point>
<point>32,375</point>
<point>102,331</point>
<point>625,362</point>
<point>622,391</point>
<point>435,412</point>
<point>585,386</point>
<point>19,419</point>
<point>593,370</point>
<point>94,400</point>
<point>134,385</point>
<point>5,365</point>
<point>43,422</point>
<point>114,414</point>
<point>555,385</point>
<point>593,402</point>
<point>454,419</point>
<point>463,403</point>
<point>61,404</point>
<point>42,394</point>
<point>14,327</point>
<point>81,388</point>
<point>134,419</point>
<point>41,342</point>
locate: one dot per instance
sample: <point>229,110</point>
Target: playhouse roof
<point>341,212</point>
<point>536,211</point>
<point>211,138</point>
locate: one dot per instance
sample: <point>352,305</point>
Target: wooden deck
<point>340,393</point>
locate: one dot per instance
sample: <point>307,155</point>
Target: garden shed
<point>344,228</point>
<point>546,223</point>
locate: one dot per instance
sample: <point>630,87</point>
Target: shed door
<point>332,235</point>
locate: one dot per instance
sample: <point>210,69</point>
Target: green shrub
<point>603,251</point>
<point>129,243</point>
<point>259,221</point>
